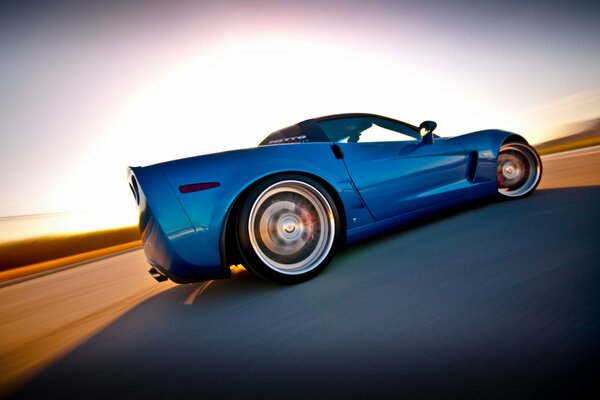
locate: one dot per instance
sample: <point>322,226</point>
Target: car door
<point>404,175</point>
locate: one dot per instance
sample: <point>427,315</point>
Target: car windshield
<point>367,129</point>
<point>344,128</point>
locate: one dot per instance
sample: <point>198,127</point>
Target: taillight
<point>196,187</point>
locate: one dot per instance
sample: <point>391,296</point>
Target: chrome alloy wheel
<point>291,227</point>
<point>518,170</point>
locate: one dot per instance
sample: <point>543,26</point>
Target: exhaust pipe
<point>157,275</point>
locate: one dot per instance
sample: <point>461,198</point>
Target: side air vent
<point>473,158</point>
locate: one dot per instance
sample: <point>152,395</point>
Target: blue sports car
<point>282,209</point>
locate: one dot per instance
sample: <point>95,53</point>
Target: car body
<point>281,209</point>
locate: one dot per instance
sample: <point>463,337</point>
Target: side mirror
<point>426,130</point>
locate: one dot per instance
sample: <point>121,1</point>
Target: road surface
<point>500,299</point>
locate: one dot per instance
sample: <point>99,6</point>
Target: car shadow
<point>491,300</point>
<point>478,216</point>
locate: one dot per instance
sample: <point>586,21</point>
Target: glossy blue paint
<point>396,178</point>
<point>168,236</point>
<point>377,185</point>
<point>486,144</point>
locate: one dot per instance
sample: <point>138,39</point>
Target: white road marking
<point>190,299</point>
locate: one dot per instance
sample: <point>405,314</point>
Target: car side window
<point>376,133</point>
<point>368,130</point>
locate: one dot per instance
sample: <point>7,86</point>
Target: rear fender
<point>169,239</point>
<point>237,171</point>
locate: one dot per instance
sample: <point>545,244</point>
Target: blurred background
<point>495,299</point>
<point>88,88</point>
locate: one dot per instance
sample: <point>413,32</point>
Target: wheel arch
<point>230,252</point>
<point>513,138</point>
<point>518,139</point>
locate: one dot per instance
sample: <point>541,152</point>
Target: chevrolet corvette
<point>283,208</point>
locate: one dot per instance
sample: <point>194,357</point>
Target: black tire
<point>518,170</point>
<point>288,229</point>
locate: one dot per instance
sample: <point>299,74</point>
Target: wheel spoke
<point>290,226</point>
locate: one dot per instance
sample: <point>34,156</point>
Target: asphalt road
<point>496,300</point>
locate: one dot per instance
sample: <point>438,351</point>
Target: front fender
<point>484,147</point>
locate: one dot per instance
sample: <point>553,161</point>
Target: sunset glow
<point>90,91</point>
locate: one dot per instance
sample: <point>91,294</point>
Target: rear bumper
<point>170,242</point>
<point>165,254</point>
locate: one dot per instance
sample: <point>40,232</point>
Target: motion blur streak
<point>572,169</point>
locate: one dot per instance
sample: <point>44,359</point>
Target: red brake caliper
<point>499,176</point>
<point>307,221</point>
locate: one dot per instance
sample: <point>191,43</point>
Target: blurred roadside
<point>23,257</point>
<point>573,136</point>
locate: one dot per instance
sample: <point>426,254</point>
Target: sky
<point>88,88</point>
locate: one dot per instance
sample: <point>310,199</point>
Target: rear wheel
<point>518,171</point>
<point>288,228</point>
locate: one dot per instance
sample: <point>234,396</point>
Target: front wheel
<point>288,228</point>
<point>518,171</point>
